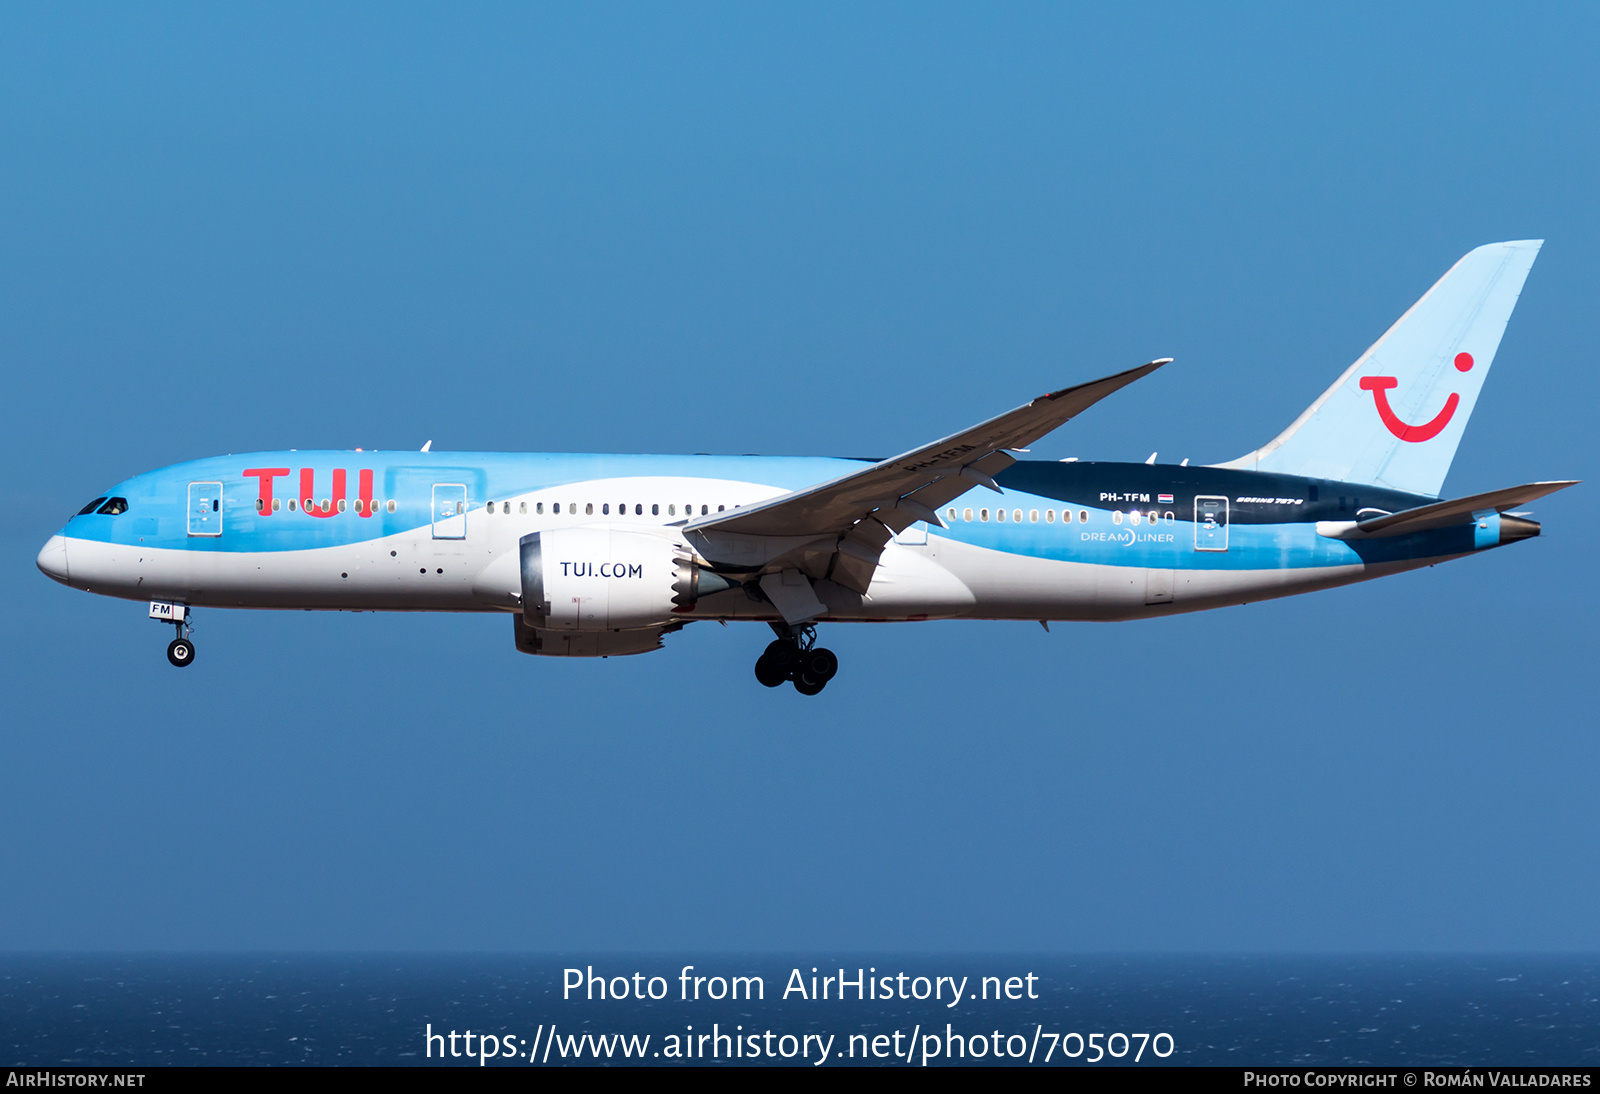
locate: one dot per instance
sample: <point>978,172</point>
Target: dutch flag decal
<point>1164,499</point>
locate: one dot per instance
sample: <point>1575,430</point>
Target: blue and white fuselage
<point>1065,541</point>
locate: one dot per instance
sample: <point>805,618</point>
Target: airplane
<point>605,555</point>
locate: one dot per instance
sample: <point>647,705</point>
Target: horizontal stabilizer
<point>1440,514</point>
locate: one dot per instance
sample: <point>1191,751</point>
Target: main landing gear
<point>794,655</point>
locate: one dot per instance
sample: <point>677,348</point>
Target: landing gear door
<point>205,508</point>
<point>1210,523</point>
<point>449,510</point>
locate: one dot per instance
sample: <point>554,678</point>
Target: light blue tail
<point>1395,417</point>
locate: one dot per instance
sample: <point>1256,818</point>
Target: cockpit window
<point>113,506</point>
<point>91,507</point>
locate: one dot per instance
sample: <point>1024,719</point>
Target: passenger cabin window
<point>277,504</point>
<point>1116,516</point>
<point>1083,516</point>
<point>91,507</point>
<point>1000,514</point>
<point>588,509</point>
<point>983,514</point>
<point>341,505</point>
<point>390,506</point>
<point>966,515</point>
<point>538,507</point>
<point>605,510</point>
<point>113,507</point>
<point>655,510</point>
<point>522,508</point>
<point>1049,516</point>
<point>1033,516</point>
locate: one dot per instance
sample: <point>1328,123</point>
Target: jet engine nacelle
<point>606,579</point>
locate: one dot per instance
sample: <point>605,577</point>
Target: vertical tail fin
<point>1395,417</point>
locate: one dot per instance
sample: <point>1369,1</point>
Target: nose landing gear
<point>180,651</point>
<point>794,656</point>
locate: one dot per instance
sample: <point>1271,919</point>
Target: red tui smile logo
<point>1380,385</point>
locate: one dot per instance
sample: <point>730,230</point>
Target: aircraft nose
<point>53,559</point>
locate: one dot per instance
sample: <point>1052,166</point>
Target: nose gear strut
<point>180,651</point>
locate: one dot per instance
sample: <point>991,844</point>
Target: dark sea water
<point>143,1010</point>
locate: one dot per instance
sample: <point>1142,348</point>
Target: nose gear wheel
<point>181,652</point>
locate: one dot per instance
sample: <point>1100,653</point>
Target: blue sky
<point>813,230</point>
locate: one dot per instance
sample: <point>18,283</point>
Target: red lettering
<point>266,475</point>
<point>308,495</point>
<point>364,490</point>
<point>1413,434</point>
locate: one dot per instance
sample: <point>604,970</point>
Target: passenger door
<point>205,508</point>
<point>1210,523</point>
<point>449,510</point>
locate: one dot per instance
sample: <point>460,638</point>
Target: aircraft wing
<point>865,509</point>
